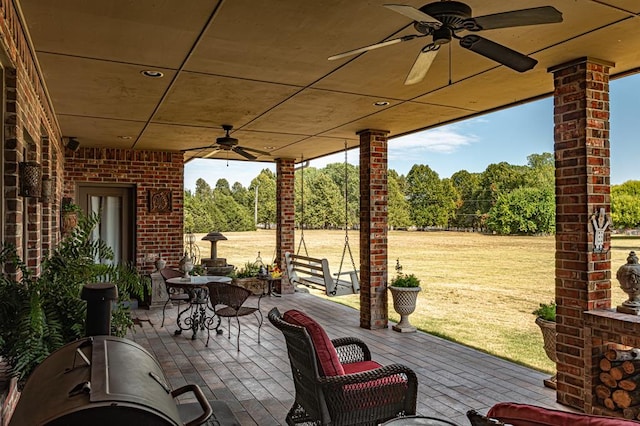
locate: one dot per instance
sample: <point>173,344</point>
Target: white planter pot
<point>404,303</point>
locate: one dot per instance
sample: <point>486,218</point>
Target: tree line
<point>504,198</point>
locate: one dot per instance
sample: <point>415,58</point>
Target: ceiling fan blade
<point>373,46</point>
<point>244,153</point>
<point>255,150</point>
<point>422,64</point>
<point>518,18</point>
<point>412,13</point>
<point>497,52</point>
<point>212,153</point>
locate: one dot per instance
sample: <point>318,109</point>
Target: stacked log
<point>619,387</point>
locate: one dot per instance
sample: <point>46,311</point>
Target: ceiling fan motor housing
<point>450,13</point>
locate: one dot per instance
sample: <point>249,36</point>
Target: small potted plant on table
<point>404,291</point>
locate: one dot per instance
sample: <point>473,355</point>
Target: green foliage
<point>216,209</point>
<point>525,211</point>
<point>625,205</point>
<point>432,200</point>
<point>398,205</point>
<point>546,311</point>
<point>405,280</point>
<point>39,314</point>
<point>249,270</point>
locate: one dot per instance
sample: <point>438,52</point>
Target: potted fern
<point>39,314</point>
<point>404,291</point>
<point>546,320</point>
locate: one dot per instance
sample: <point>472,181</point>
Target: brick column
<point>285,214</point>
<point>583,276</point>
<point>373,229</point>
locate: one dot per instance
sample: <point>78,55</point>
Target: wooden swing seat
<point>314,272</point>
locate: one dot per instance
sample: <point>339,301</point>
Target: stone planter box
<point>252,284</point>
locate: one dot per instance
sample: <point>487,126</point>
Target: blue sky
<point>509,135</point>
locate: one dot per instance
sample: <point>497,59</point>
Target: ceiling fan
<point>227,143</point>
<point>443,21</point>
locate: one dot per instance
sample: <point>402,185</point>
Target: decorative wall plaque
<point>159,201</point>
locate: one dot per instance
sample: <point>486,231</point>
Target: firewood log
<point>631,367</point>
<point>625,399</point>
<point>630,383</point>
<point>622,354</point>
<point>606,379</point>
<point>608,402</point>
<point>617,373</point>
<point>603,392</point>
<point>606,365</point>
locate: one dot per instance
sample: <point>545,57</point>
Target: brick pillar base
<point>285,215</point>
<point>373,229</point>
<point>583,275</point>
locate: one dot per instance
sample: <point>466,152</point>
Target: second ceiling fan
<point>228,143</point>
<point>445,19</point>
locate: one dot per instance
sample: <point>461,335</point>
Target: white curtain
<point>110,228</point>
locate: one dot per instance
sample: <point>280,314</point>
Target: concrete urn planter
<point>404,303</point>
<point>548,329</point>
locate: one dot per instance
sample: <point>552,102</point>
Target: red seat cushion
<point>357,367</point>
<point>325,351</point>
<point>530,415</point>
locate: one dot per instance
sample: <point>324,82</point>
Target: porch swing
<point>314,272</point>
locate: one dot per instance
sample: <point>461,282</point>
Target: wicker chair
<point>227,300</point>
<point>175,294</point>
<point>365,394</point>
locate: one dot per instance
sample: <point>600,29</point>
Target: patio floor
<point>256,382</point>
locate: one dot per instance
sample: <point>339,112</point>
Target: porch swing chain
<point>346,219</point>
<point>302,242</point>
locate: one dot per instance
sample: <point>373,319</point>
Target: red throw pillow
<point>325,351</point>
<point>530,415</point>
<point>357,367</point>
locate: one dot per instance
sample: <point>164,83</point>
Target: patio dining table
<point>199,314</point>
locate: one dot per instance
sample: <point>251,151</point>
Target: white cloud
<point>445,140</point>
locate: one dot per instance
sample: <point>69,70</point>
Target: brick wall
<point>373,229</point>
<point>155,232</point>
<point>28,122</point>
<point>583,277</point>
<point>285,214</point>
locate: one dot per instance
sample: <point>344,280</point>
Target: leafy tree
<point>265,183</point>
<point>525,210</point>
<point>302,195</point>
<point>203,190</point>
<point>336,171</point>
<point>496,180</point>
<point>467,186</point>
<point>432,201</point>
<point>222,186</point>
<point>398,207</point>
<point>322,209</point>
<point>625,204</point>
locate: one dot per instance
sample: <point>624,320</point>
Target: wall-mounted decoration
<point>46,194</point>
<point>600,222</point>
<point>30,179</point>
<point>160,201</point>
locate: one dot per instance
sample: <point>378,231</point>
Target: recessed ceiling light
<point>269,147</point>
<point>126,138</point>
<point>381,103</point>
<point>152,73</point>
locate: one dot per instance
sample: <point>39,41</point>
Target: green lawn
<point>478,289</point>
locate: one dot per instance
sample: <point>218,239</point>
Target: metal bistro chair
<point>227,300</point>
<point>336,381</point>
<point>175,294</point>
